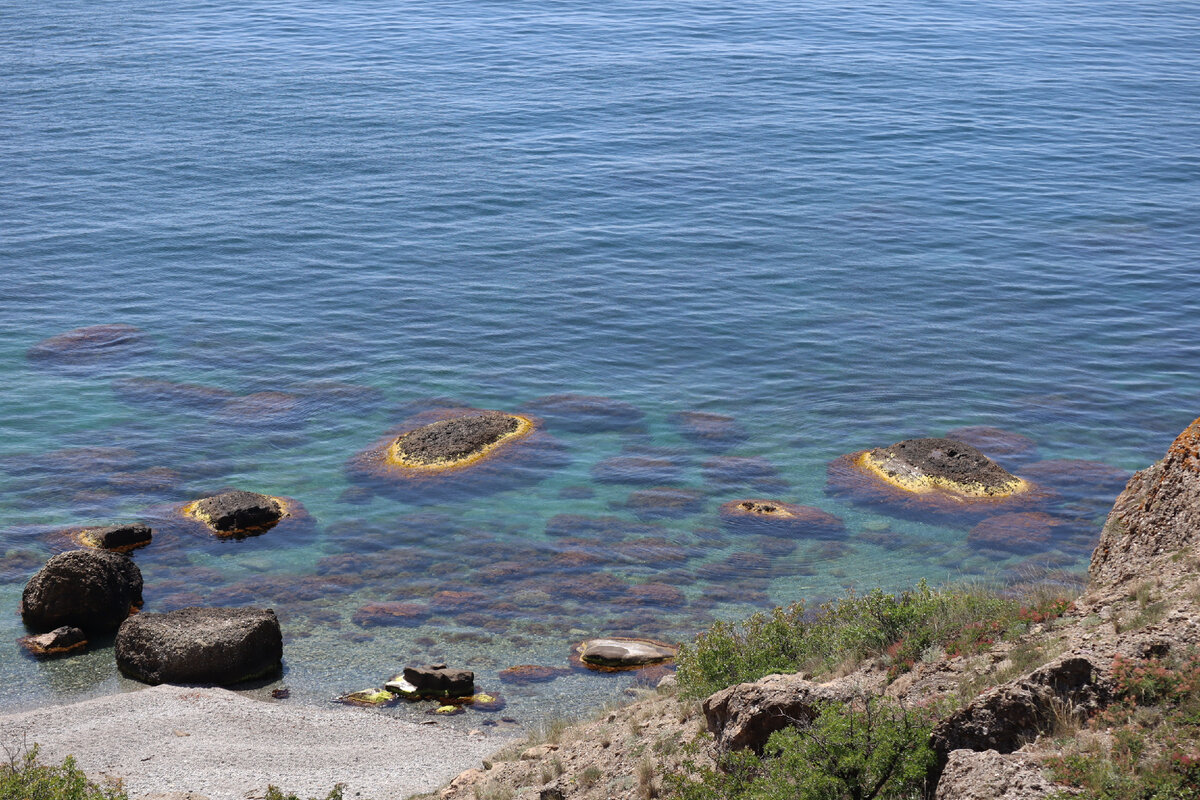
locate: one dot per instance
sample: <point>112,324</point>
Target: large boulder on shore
<point>744,716</point>
<point>211,646</point>
<point>1156,517</point>
<point>90,589</point>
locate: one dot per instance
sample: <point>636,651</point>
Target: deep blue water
<point>842,225</point>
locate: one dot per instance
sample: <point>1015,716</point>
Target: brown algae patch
<point>456,442</point>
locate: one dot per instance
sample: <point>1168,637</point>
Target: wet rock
<point>456,440</point>
<point>931,477</point>
<point>371,698</point>
<point>92,344</point>
<point>391,614</point>
<point>665,501</point>
<point>620,653</point>
<point>529,673</point>
<point>90,589</point>
<point>996,442</point>
<point>211,646</point>
<point>713,432</point>
<point>579,413</point>
<point>988,775</point>
<point>58,642</point>
<point>1020,532</point>
<point>780,519</point>
<point>1157,515</point>
<point>1006,717</point>
<point>237,512</point>
<point>437,680</point>
<point>118,538</point>
<point>744,716</point>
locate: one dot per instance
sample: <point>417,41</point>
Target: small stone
<point>58,642</point>
<point>368,697</point>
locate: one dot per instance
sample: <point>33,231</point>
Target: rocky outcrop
<point>1156,516</point>
<point>744,716</point>
<point>58,642</point>
<point>988,775</point>
<point>237,512</point>
<point>434,680</point>
<point>1010,715</point>
<point>118,538</point>
<point>211,646</point>
<point>90,589</point>
<point>456,441</point>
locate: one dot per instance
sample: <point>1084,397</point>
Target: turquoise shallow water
<point>840,226</point>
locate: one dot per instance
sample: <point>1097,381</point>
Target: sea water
<point>840,225</point>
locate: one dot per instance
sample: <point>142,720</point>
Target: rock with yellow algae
<point>457,441</point>
<point>757,515</point>
<point>932,476</point>
<point>237,512</point>
<point>368,697</point>
<point>58,642</point>
<point>118,538</point>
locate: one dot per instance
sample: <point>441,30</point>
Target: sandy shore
<point>225,746</point>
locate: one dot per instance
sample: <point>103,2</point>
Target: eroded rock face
<point>231,513</point>
<point>211,646</point>
<point>1156,516</point>
<point>452,440</point>
<point>58,642</point>
<point>988,775</point>
<point>1006,717</point>
<point>745,716</point>
<point>118,538</point>
<point>89,589</point>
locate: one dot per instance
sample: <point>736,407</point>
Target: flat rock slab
<point>235,745</point>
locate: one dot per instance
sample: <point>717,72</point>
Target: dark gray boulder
<point>211,646</point>
<point>120,538</point>
<point>238,510</point>
<point>437,679</point>
<point>454,439</point>
<point>90,589</point>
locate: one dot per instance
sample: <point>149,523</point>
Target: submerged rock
<point>90,344</point>
<point>713,432</point>
<point>118,538</point>
<point>170,394</point>
<point>237,512</point>
<point>91,589</point>
<point>212,646</point>
<point>578,413</point>
<point>620,653</point>
<point>665,501</point>
<point>1020,532</point>
<point>780,519</point>
<point>391,614</point>
<point>996,442</point>
<point>529,673</point>
<point>937,476</point>
<point>58,642</point>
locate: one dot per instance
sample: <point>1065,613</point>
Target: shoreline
<point>222,745</point>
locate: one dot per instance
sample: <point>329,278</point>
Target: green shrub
<point>23,778</point>
<point>901,627</point>
<point>273,793</point>
<point>874,749</point>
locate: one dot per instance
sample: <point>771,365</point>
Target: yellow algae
<point>903,476</point>
<point>86,539</point>
<point>395,456</point>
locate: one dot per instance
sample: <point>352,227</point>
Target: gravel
<point>226,746</point>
